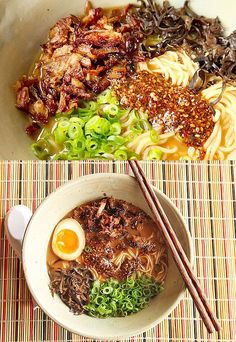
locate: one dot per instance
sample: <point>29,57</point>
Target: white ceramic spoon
<point>15,224</point>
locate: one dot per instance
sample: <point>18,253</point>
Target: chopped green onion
<point>107,290</point>
<point>104,97</point>
<point>75,131</point>
<point>116,128</point>
<point>77,120</point>
<point>99,299</point>
<point>121,155</point>
<point>92,106</point>
<point>75,146</point>
<point>118,140</point>
<point>91,145</point>
<point>119,299</point>
<point>155,154</point>
<point>87,249</point>
<point>154,136</point>
<point>111,109</point>
<point>109,146</point>
<point>97,126</point>
<point>41,149</point>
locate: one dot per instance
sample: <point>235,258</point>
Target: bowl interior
<point>21,34</point>
<point>36,241</point>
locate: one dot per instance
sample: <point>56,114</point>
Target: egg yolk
<point>67,241</point>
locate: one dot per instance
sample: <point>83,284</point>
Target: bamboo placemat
<point>205,193</point>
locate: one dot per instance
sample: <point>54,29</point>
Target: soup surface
<point>141,82</point>
<point>121,265</point>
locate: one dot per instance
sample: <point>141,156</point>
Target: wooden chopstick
<point>182,262</point>
<point>181,252</point>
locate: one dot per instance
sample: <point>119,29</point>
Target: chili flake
<point>176,108</point>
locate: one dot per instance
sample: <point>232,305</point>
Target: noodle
<point>174,65</point>
<point>143,144</point>
<point>223,138</point>
<point>147,262</point>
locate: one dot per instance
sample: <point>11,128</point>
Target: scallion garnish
<point>117,299</point>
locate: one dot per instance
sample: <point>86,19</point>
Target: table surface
<point>204,192</point>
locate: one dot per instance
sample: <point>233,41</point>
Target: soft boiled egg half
<point>68,239</point>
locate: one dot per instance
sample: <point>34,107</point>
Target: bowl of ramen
<point>95,261</point>
<point>147,80</point>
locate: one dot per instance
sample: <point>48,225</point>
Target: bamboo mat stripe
<point>205,193</point>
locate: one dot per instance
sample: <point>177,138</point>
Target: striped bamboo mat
<point>205,194</point>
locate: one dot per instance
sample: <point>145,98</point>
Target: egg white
<point>73,225</point>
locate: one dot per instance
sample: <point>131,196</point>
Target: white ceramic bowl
<point>37,236</point>
<point>24,26</point>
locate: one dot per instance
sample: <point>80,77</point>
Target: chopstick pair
<point>181,260</point>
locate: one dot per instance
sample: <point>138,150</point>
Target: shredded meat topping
<point>112,226</point>
<point>78,61</point>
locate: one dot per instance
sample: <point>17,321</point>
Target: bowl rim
<point>66,326</point>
